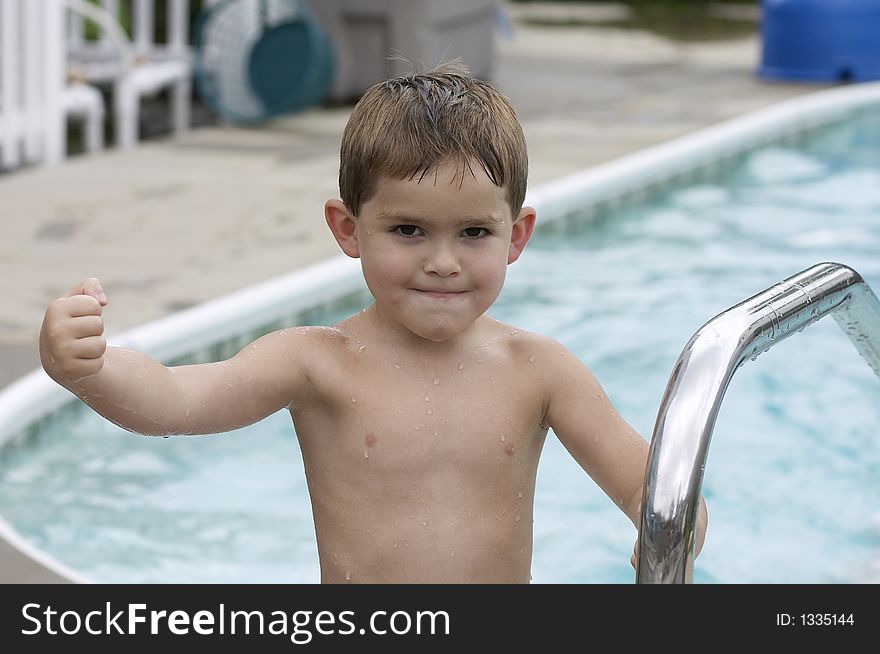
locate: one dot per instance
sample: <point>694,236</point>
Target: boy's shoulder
<point>314,335</point>
<point>547,358</point>
<point>304,343</point>
<point>343,339</point>
<point>531,346</point>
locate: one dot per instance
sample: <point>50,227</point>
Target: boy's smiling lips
<point>440,295</point>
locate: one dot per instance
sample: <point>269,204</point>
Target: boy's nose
<point>443,262</point>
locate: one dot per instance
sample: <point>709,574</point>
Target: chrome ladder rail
<point>700,378</point>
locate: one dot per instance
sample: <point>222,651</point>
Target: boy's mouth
<point>440,295</point>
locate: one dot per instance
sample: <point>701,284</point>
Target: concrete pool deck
<point>180,221</point>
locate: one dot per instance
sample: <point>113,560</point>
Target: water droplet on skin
<point>516,518</point>
<point>166,436</point>
<point>492,378</point>
<point>51,359</point>
<point>519,495</point>
<point>461,366</point>
<point>503,438</point>
<point>498,517</point>
<point>418,427</point>
<point>479,361</point>
<point>452,554</point>
<point>366,454</point>
<point>423,523</point>
<point>531,359</point>
<point>514,332</point>
<point>430,412</point>
<point>427,398</point>
<point>397,365</point>
<point>348,576</point>
<point>362,348</point>
<point>436,381</point>
<point>400,412</point>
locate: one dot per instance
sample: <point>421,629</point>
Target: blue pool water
<point>793,475</point>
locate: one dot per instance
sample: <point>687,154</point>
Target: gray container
<point>365,33</point>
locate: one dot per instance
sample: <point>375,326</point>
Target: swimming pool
<point>791,478</point>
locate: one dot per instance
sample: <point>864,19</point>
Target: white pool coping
<point>35,395</point>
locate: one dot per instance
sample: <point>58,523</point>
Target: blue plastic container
<point>256,59</point>
<point>820,40</point>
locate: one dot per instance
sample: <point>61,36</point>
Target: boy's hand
<point>72,341</point>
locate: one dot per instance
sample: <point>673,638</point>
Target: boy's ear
<point>343,226</point>
<point>523,227</point>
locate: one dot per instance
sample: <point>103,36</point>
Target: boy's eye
<point>477,232</point>
<point>407,230</point>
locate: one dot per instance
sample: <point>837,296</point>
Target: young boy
<point>420,419</point>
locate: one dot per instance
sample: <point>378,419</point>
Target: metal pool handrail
<point>700,378</point>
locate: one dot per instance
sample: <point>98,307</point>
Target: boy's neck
<point>396,335</point>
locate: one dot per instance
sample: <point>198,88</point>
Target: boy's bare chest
<point>385,414</point>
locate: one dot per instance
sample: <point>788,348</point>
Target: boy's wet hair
<point>406,126</point>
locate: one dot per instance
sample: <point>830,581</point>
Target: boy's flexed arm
<point>599,439</point>
<point>140,394</point>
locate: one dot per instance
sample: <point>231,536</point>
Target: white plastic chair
<point>36,99</point>
<point>85,103</point>
<point>11,122</point>
<point>138,67</point>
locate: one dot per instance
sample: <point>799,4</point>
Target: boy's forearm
<point>634,513</point>
<point>133,391</point>
<point>702,524</point>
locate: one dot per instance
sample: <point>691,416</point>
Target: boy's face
<point>435,252</point>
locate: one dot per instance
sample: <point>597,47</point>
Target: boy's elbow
<point>144,426</point>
